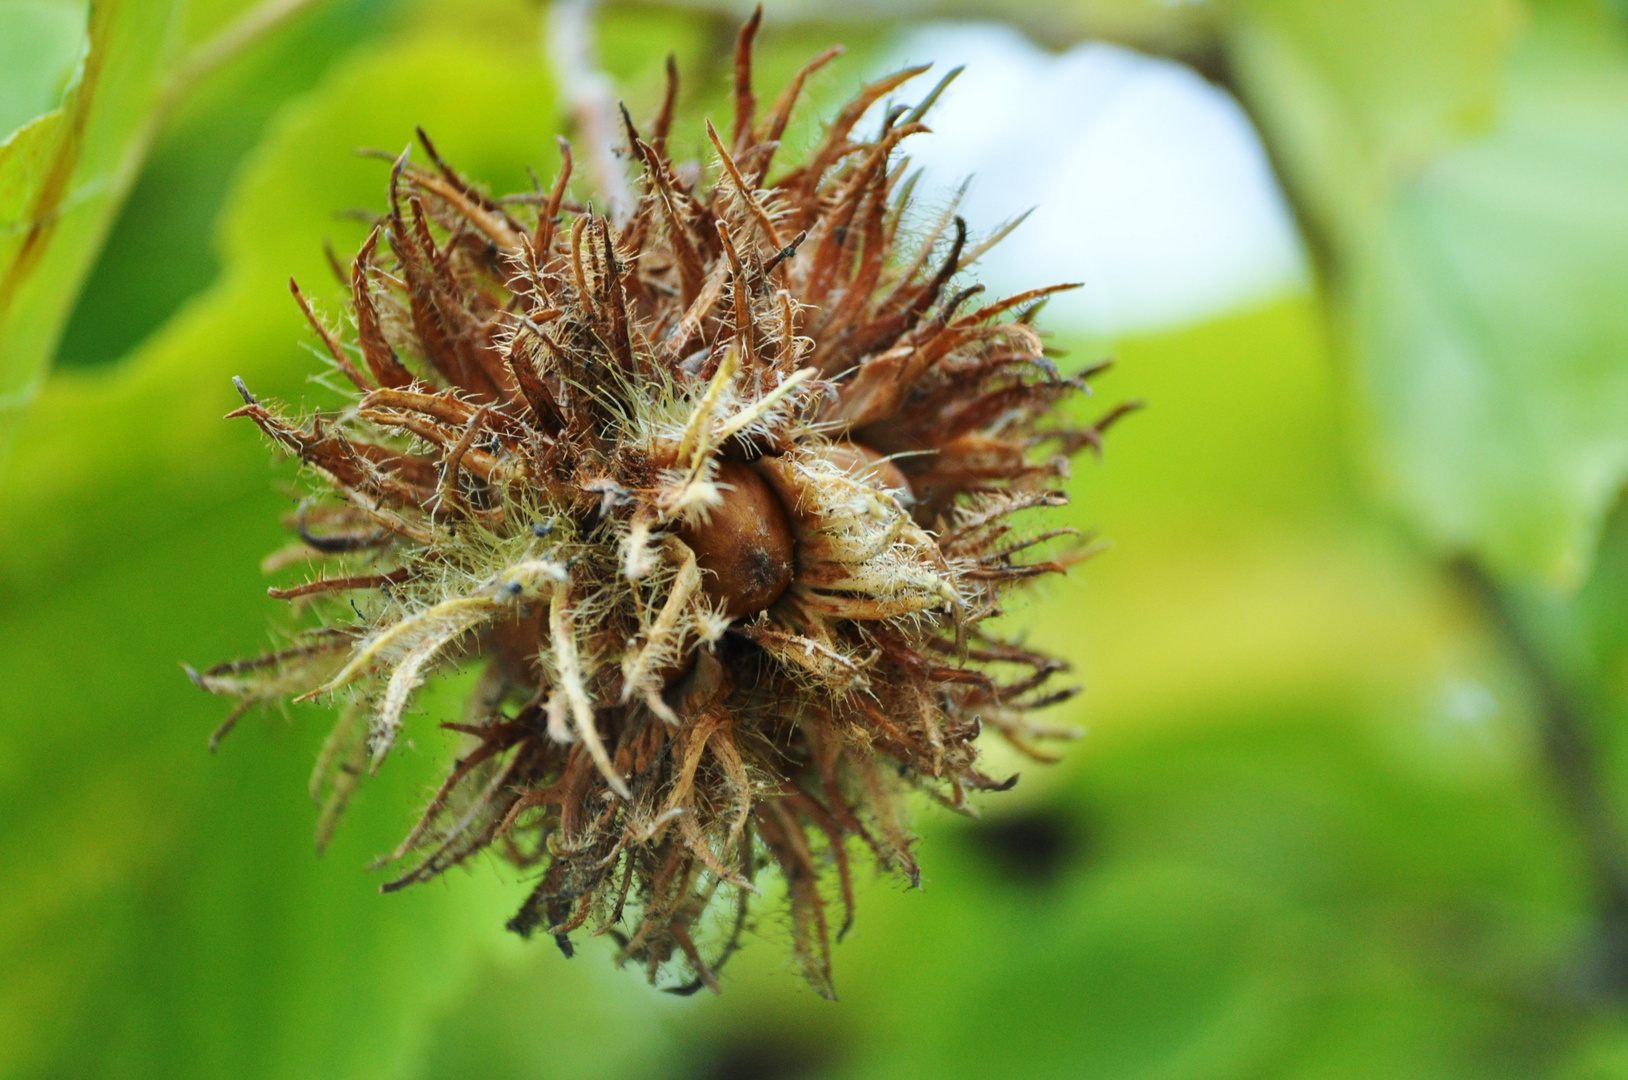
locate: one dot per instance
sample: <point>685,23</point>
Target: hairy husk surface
<point>717,495</point>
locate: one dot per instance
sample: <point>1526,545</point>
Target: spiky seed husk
<point>718,497</point>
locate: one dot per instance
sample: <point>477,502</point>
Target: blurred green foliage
<point>1464,165</point>
<point>64,172</point>
<point>40,43</point>
<point>1312,831</point>
<point>218,949</point>
<point>169,218</point>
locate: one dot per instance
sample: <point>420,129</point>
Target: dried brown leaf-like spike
<point>718,496</point>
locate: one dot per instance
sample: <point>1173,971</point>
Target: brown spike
<point>466,365</point>
<point>396,168</point>
<point>689,324</point>
<point>416,472</point>
<point>427,327</point>
<point>580,413</point>
<point>836,834</point>
<point>888,327</point>
<point>548,220</point>
<point>484,465</point>
<point>458,181</point>
<point>745,103</point>
<point>844,322</point>
<point>873,254</point>
<point>493,219</point>
<point>342,584</point>
<point>584,297</point>
<point>745,190</point>
<point>336,456</point>
<point>834,226</point>
<point>488,356</point>
<point>497,226</point>
<point>328,339</point>
<point>774,125</point>
<point>836,136</point>
<point>811,938</point>
<point>428,250</point>
<point>628,128</point>
<point>691,270</point>
<point>745,328</point>
<point>986,313</point>
<point>615,301</point>
<point>1092,436</point>
<point>664,118</point>
<point>335,267</point>
<point>445,407</point>
<point>447,491</point>
<point>534,391</point>
<point>377,351</point>
<point>433,298</point>
<point>632,237</point>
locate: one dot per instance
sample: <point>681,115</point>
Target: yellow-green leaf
<point>41,42</point>
<point>1463,171</point>
<point>63,174</point>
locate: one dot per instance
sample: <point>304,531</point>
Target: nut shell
<point>745,547</point>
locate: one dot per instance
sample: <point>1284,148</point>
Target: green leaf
<point>1471,215</point>
<point>1492,314</point>
<point>63,174</point>
<point>160,250</point>
<point>165,915</point>
<point>1355,95</point>
<point>40,42</point>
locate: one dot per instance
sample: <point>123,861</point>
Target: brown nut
<point>745,547</point>
<point>860,460</point>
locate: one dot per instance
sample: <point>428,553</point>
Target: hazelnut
<point>745,548</point>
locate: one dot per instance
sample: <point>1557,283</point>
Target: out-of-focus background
<point>1351,800</point>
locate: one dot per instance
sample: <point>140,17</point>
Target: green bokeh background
<point>1312,831</point>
